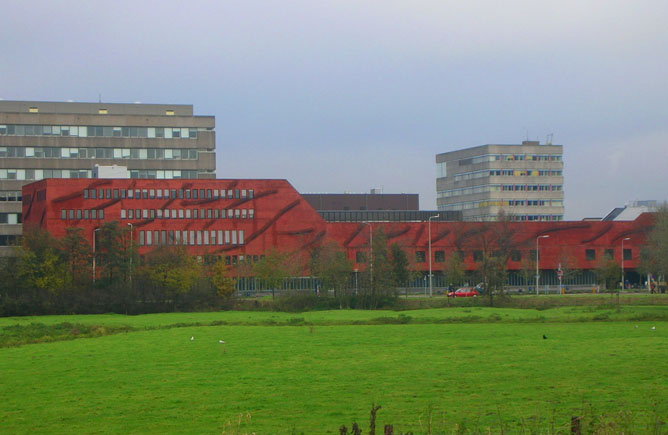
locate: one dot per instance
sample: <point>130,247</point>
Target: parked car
<point>464,292</point>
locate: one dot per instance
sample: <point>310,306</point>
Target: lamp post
<point>623,240</point>
<point>429,228</point>
<point>370,252</point>
<point>538,260</point>
<point>94,237</point>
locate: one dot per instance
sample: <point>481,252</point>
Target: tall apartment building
<point>66,140</point>
<point>525,181</point>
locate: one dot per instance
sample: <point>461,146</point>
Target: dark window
<point>628,254</point>
<point>115,193</point>
<point>477,256</point>
<point>93,194</point>
<point>420,257</point>
<point>532,255</point>
<point>439,256</point>
<point>610,254</point>
<point>360,257</point>
<point>85,193</point>
<point>590,254</point>
<point>195,194</point>
<point>516,255</point>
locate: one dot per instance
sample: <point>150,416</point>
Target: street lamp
<point>370,251</point>
<point>429,227</point>
<point>537,260</point>
<point>94,237</point>
<point>627,238</point>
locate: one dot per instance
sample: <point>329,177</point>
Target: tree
<point>172,271</point>
<point>400,265</point>
<point>569,265</point>
<point>493,244</point>
<point>273,269</point>
<point>222,282</point>
<point>41,264</point>
<point>608,272</point>
<point>455,272</point>
<point>77,255</point>
<point>330,263</point>
<point>654,258</point>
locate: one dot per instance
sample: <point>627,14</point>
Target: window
<point>439,256</point>
<point>628,254</point>
<point>610,254</point>
<point>477,256</point>
<point>516,255</point>
<point>420,257</point>
<point>590,254</point>
<point>360,257</point>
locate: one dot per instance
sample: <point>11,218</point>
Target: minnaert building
<point>525,181</point>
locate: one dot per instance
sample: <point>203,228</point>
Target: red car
<point>464,292</point>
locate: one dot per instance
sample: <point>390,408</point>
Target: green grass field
<point>462,369</point>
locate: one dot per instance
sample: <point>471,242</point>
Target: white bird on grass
<point>221,342</point>
<point>192,338</point>
<point>653,328</point>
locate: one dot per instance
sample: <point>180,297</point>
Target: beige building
<point>525,181</point>
<point>66,140</point>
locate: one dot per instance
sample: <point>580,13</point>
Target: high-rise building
<point>525,181</point>
<point>66,140</point>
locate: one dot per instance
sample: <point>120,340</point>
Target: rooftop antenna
<point>549,139</point>
<point>99,97</point>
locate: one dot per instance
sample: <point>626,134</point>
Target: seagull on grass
<point>192,338</point>
<point>221,342</point>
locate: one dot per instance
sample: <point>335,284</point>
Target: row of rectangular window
<point>40,174</point>
<point>187,213</point>
<point>162,174</point>
<point>191,237</point>
<point>509,157</point>
<point>100,153</point>
<point>168,193</point>
<point>516,217</point>
<point>10,196</point>
<point>9,240</point>
<point>515,255</point>
<point>11,218</point>
<point>81,214</point>
<point>508,173</point>
<point>500,188</point>
<point>503,203</point>
<point>98,131</point>
<point>233,260</point>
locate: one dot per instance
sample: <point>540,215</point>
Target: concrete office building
<point>525,181</point>
<point>66,140</point>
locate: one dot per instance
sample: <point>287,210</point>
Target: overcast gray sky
<point>349,95</point>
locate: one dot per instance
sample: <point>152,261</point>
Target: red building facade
<point>242,219</point>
